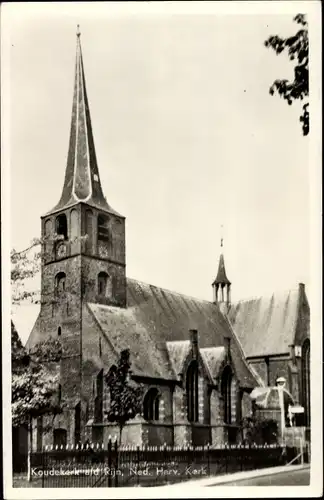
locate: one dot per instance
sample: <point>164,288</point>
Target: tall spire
<point>82,181</point>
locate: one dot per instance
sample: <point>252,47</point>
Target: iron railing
<point>113,466</point>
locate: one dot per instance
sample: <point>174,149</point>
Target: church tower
<point>222,285</point>
<point>83,254</point>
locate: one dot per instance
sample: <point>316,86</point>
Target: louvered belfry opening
<point>103,228</point>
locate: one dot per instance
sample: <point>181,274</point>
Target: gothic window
<point>192,392</point>
<point>60,283</point>
<point>89,230</point>
<point>59,436</point>
<point>151,405</point>
<point>74,230</point>
<point>226,391</point>
<point>103,228</point>
<point>59,394</point>
<point>99,397</point>
<point>106,400</point>
<point>104,285</point>
<point>77,424</point>
<point>61,226</point>
<point>59,331</point>
<point>305,373</point>
<point>39,434</point>
<point>48,227</point>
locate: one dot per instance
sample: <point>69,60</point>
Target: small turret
<point>222,285</point>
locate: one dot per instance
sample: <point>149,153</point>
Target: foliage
<point>26,264</point>
<point>297,47</point>
<point>126,398</point>
<point>34,384</point>
<point>260,431</point>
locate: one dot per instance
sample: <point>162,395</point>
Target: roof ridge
<point>266,296</point>
<point>169,291</point>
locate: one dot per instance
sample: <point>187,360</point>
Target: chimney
<point>227,345</point>
<point>292,353</point>
<point>193,335</point>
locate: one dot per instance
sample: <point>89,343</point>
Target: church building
<point>198,360</point>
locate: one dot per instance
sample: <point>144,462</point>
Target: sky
<point>187,136</point>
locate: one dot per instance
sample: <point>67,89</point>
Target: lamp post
<point>281,381</point>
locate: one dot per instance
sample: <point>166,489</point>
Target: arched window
<point>74,230</point>
<point>151,405</point>
<point>59,394</point>
<point>60,283</point>
<point>77,424</point>
<point>39,434</point>
<point>99,397</point>
<point>59,436</point>
<point>59,331</point>
<point>48,228</point>
<point>89,230</point>
<point>226,386</point>
<point>103,228</point>
<point>104,285</point>
<point>192,392</point>
<point>305,373</point>
<point>48,237</point>
<point>61,226</point>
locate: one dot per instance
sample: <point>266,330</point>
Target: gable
<point>266,325</point>
<point>154,318</point>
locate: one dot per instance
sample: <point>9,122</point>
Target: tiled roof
<point>154,317</point>
<point>266,326</point>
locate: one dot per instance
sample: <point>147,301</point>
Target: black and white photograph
<point>161,229</point>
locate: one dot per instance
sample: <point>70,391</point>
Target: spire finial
<point>78,31</point>
<point>222,238</point>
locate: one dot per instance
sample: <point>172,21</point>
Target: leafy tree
<point>297,48</point>
<point>34,388</point>
<point>125,397</point>
<point>259,431</point>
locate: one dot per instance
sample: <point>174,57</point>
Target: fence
<point>94,466</point>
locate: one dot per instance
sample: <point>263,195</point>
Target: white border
<point>312,8</point>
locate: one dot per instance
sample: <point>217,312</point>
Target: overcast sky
<point>187,137</point>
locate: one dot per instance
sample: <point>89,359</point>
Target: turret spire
<point>82,181</point>
<point>221,281</point>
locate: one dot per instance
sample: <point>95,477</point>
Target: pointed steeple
<point>82,181</point>
<point>221,281</point>
<point>221,278</point>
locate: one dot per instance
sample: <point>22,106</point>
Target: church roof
<point>266,325</point>
<point>221,278</point>
<point>155,318</point>
<point>82,180</point>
